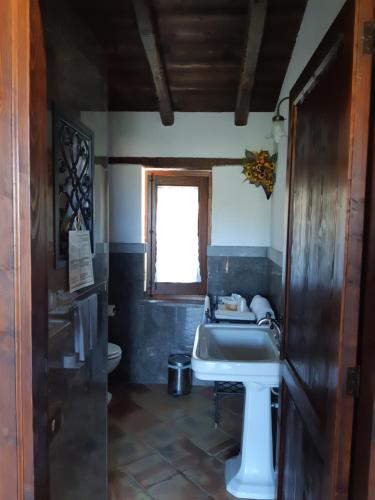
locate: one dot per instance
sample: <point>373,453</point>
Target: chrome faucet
<point>274,325</point>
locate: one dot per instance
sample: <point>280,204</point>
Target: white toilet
<point>113,359</point>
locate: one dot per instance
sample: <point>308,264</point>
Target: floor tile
<point>150,470</point>
<point>115,432</point>
<point>208,473</point>
<point>213,442</point>
<point>122,487</point>
<point>125,450</point>
<point>231,423</point>
<point>158,402</point>
<point>161,447</point>
<point>182,452</point>
<point>122,404</point>
<point>136,421</point>
<point>160,435</point>
<point>207,392</point>
<point>177,488</point>
<point>198,423</point>
<point>116,386</point>
<point>232,403</point>
<point>166,407</point>
<point>201,432</point>
<point>229,452</point>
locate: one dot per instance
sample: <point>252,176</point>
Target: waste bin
<point>179,374</point>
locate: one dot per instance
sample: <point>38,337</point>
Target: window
<point>177,233</point>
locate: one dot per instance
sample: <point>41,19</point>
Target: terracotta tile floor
<point>167,448</point>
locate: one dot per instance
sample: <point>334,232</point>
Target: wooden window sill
<point>185,299</point>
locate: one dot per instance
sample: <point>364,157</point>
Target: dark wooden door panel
<point>318,222</point>
<point>302,457</point>
<point>327,180</point>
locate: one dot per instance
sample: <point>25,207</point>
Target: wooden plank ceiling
<point>202,55</point>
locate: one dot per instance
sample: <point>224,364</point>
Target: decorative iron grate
<point>229,388</point>
<point>73,170</point>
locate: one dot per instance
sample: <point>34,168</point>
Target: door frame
<point>23,292</point>
<point>363,462</point>
<point>39,248</point>
<point>359,124</point>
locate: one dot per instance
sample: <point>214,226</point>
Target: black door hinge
<point>353,379</point>
<point>368,38</point>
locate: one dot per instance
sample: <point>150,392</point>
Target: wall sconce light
<point>278,123</point>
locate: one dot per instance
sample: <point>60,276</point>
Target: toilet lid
<point>113,350</point>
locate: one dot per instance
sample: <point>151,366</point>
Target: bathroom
<point>157,114</point>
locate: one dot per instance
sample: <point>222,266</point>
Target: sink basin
<point>247,354</point>
<point>238,353</point>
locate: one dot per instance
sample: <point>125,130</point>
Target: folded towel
<point>82,328</point>
<point>261,308</point>
<point>93,311</point>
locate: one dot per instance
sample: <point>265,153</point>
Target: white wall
<point>318,17</point>
<point>241,213</point>
<point>98,122</point>
<point>278,198</point>
<point>100,205</point>
<point>193,134</point>
<point>126,207</point>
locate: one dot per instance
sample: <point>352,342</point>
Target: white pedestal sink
<point>247,354</point>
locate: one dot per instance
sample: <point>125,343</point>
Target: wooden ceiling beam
<point>253,41</point>
<point>175,162</point>
<point>149,37</point>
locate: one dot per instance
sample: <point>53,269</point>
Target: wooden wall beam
<point>253,41</point>
<point>149,37</point>
<point>171,162</point>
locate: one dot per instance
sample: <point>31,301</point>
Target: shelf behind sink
<point>56,326</point>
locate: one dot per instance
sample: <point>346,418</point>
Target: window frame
<point>202,180</point>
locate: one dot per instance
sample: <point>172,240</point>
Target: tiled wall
<point>149,330</point>
<point>244,275</point>
<point>274,292</point>
<point>247,276</point>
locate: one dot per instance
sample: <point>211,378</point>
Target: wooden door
<point>23,291</point>
<point>364,426</point>
<point>327,178</point>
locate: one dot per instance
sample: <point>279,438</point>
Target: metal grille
<point>229,388</point>
<point>73,168</point>
<point>222,390</point>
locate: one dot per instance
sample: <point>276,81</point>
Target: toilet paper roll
<point>111,310</point>
<point>261,308</point>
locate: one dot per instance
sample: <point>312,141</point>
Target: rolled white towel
<point>261,307</point>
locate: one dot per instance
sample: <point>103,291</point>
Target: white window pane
<point>177,244</point>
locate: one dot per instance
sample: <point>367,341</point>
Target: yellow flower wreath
<point>259,168</point>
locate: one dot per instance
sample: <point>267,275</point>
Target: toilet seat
<point>114,351</point>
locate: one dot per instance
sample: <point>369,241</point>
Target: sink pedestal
<point>247,354</point>
<point>251,473</point>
